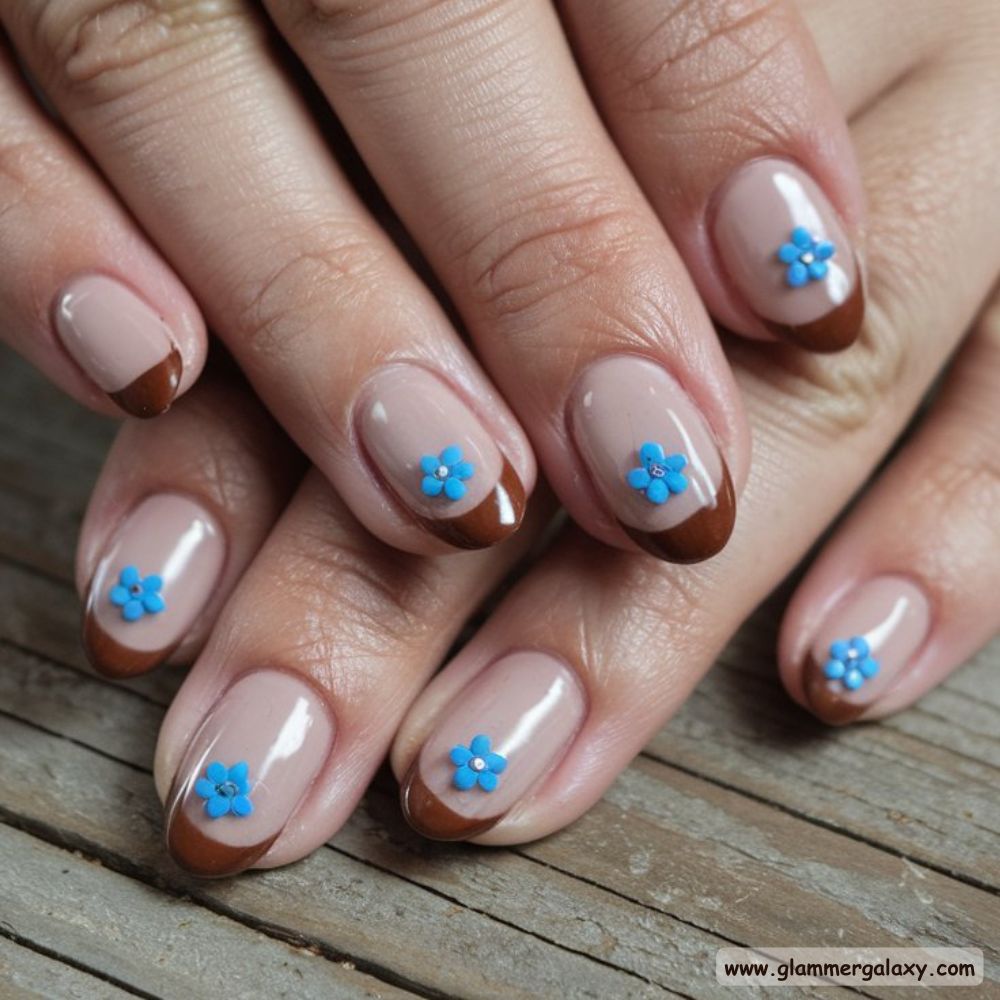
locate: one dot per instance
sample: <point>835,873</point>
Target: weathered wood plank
<point>142,938</point>
<point>27,975</point>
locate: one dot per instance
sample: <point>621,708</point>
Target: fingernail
<point>438,459</point>
<point>864,645</point>
<point>503,733</point>
<point>120,342</point>
<point>159,571</point>
<point>653,459</point>
<point>787,254</point>
<point>247,769</point>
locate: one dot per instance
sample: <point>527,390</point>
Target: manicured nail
<point>120,342</point>
<point>158,573</point>
<point>504,732</point>
<point>438,459</point>
<point>247,769</point>
<point>863,647</point>
<point>653,459</point>
<point>788,255</point>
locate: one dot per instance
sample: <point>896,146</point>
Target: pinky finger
<point>83,295</point>
<point>906,590</point>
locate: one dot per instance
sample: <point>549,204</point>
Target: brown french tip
<point>825,701</point>
<point>154,390</point>
<point>207,858</point>
<point>835,331</point>
<point>699,537</point>
<point>431,818</point>
<point>112,659</point>
<point>493,520</point>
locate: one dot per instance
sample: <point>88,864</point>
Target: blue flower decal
<point>225,789</point>
<point>659,476</point>
<point>475,764</point>
<point>445,473</point>
<point>137,595</point>
<point>806,257</point>
<point>850,663</point>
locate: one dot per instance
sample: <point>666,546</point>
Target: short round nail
<point>653,459</point>
<point>120,342</point>
<point>788,255</point>
<point>250,764</point>
<point>437,458</point>
<point>493,744</point>
<point>863,647</point>
<point>160,569</point>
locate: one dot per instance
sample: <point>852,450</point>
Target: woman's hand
<point>476,123</point>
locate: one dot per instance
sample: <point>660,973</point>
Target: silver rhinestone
<point>442,472</point>
<point>807,258</point>
<point>477,764</point>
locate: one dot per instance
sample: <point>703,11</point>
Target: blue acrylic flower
<point>806,257</point>
<point>659,476</point>
<point>850,663</point>
<point>225,789</point>
<point>137,595</point>
<point>475,764</point>
<point>444,474</point>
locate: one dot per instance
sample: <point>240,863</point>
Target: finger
<point>339,338</point>
<point>725,114</point>
<point>323,645</point>
<point>906,590</point>
<point>637,636</point>
<point>476,125</point>
<point>180,508</point>
<point>84,297</point>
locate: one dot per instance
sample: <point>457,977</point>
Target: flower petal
<point>802,238</point>
<point>676,483</point>
<point>496,762</point>
<point>454,489</point>
<point>120,596</point>
<point>460,755</point>
<point>853,679</point>
<point>217,805</point>
<point>463,470</point>
<point>788,252</point>
<point>205,788</point>
<point>152,583</point>
<point>834,669</point>
<point>796,275</point>
<point>675,462</point>
<point>487,781</point>
<point>840,650</point>
<point>132,611</point>
<point>860,645</point>
<point>129,576</point>
<point>429,465</point>
<point>480,745</point>
<point>818,269</point>
<point>639,479</point>
<point>824,250</point>
<point>651,452</point>
<point>431,487</point>
<point>217,772</point>
<point>452,455</point>
<point>868,667</point>
<point>153,603</point>
<point>464,778</point>
<point>239,773</point>
<point>241,805</point>
<point>657,492</point>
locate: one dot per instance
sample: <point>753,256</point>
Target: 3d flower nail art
<point>445,473</point>
<point>476,765</point>
<point>659,476</point>
<point>850,663</point>
<point>806,257</point>
<point>225,789</point>
<point>137,595</point>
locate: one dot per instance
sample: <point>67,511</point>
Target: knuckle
<point>960,488</point>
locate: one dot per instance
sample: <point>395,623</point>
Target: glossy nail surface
<point>438,459</point>
<point>120,342</point>
<point>159,571</point>
<point>248,767</point>
<point>653,459</point>
<point>787,253</point>
<point>499,737</point>
<point>863,646</point>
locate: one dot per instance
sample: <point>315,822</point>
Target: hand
<point>475,122</point>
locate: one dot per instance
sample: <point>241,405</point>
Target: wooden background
<point>743,822</point>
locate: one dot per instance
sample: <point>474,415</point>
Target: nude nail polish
<point>500,737</point>
<point>250,764</point>
<point>152,583</point>
<point>788,254</point>
<point>864,645</point>
<point>436,457</point>
<point>653,459</point>
<point>120,341</point>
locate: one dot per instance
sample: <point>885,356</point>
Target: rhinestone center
<point>656,470</point>
<point>229,789</point>
<point>442,472</point>
<point>477,764</point>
